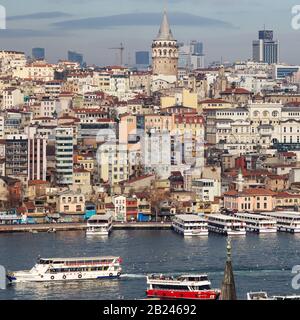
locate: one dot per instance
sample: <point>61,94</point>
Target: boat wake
<point>133,276</point>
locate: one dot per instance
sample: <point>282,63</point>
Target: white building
<point>49,107</point>
<point>120,208</point>
<point>12,98</point>
<point>206,189</point>
<point>10,60</point>
<point>36,71</point>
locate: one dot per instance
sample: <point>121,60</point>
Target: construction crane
<point>121,49</point>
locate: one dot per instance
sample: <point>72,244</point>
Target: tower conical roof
<point>165,32</point>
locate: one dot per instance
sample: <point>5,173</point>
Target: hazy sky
<point>227,27</point>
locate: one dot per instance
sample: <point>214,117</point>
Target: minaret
<point>240,181</point>
<point>165,51</point>
<point>228,286</point>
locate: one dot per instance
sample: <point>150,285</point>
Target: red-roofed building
<point>236,95</point>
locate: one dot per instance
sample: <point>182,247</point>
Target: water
<point>261,262</point>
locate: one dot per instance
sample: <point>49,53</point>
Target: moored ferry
<point>286,221</point>
<point>194,287</point>
<point>99,225</point>
<point>66,269</point>
<point>228,225</point>
<point>190,225</point>
<point>258,223</point>
<point>262,295</point>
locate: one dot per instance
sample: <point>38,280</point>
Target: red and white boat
<point>194,287</point>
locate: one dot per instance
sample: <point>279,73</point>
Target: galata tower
<point>165,51</point>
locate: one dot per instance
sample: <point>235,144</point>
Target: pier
<point>143,225</point>
<point>82,226</point>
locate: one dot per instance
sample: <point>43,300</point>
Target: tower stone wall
<point>165,51</point>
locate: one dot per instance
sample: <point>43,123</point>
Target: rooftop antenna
<point>166,6</point>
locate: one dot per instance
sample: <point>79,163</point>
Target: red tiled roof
<point>214,101</point>
<point>80,170</point>
<point>287,195</point>
<point>36,182</point>
<point>288,154</point>
<point>251,192</point>
<point>236,91</point>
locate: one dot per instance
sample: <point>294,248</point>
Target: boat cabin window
<point>169,287</point>
<point>201,278</point>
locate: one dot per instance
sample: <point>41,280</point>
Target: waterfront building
<point>126,208</point>
<point>71,205</point>
<point>252,200</point>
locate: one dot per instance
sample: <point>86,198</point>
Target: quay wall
<point>81,226</point>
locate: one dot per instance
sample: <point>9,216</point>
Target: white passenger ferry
<point>287,221</point>
<point>227,225</point>
<point>190,225</point>
<point>66,269</point>
<point>258,223</point>
<point>99,225</point>
<point>262,295</point>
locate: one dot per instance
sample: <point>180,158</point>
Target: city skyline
<point>221,25</point>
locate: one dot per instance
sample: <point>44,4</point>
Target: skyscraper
<point>75,57</point>
<point>142,58</point>
<point>196,47</point>
<point>197,56</point>
<point>265,35</point>
<point>265,49</point>
<point>38,53</point>
<point>191,56</point>
<point>184,56</point>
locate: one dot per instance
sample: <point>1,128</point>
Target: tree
<point>156,197</point>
